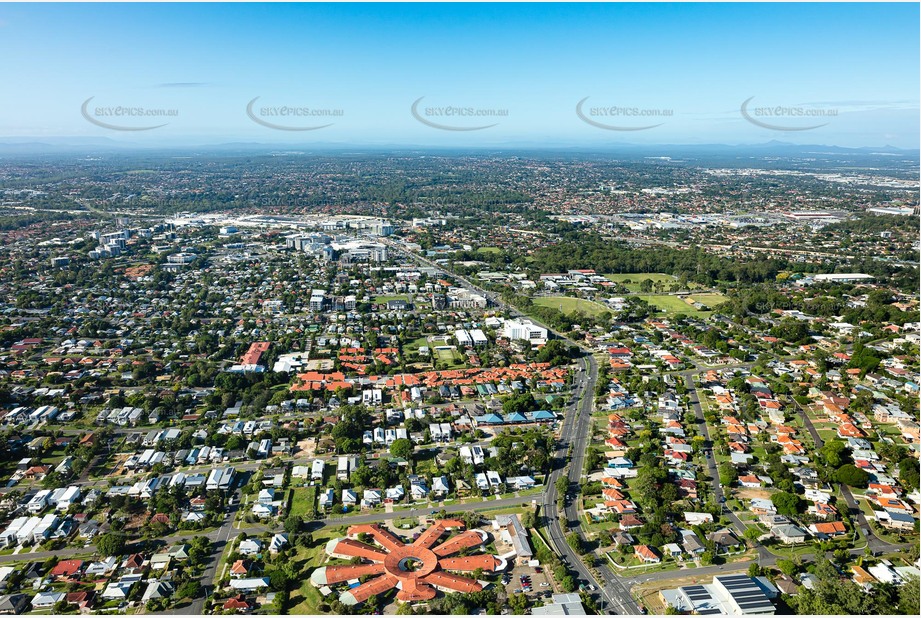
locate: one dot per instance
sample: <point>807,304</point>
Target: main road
<point>575,435</point>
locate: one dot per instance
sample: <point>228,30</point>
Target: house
<point>263,511</point>
<point>647,554</point>
<point>349,497</point>
<point>237,604</point>
<point>117,591</point>
<point>440,486</point>
<point>691,543</point>
<point>786,585</point>
<point>371,498</point>
<point>750,481</point>
<point>47,600</point>
<point>789,534</point>
<point>672,549</point>
<point>325,500</point>
<point>102,567</point>
<point>83,600</point>
<point>157,590</point>
<point>885,573</point>
<point>630,521</point>
<point>239,569</point>
<point>250,584</point>
<point>724,540</point>
<point>279,541</point>
<point>760,506</point>
<point>66,569</point>
<point>11,604</point>
<point>826,530</point>
<point>160,561</point>
<point>895,520</point>
<point>250,547</point>
<point>862,578</point>
<point>134,561</point>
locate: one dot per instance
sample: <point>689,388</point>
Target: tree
<point>728,474</point>
<point>787,504</point>
<point>909,597</point>
<point>568,584</point>
<point>852,476</point>
<point>292,524</point>
<point>111,544</point>
<point>562,485</point>
<point>402,448</point>
<point>787,567</point>
<point>188,590</point>
<point>575,541</point>
<point>835,453</point>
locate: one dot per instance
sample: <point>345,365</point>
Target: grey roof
<point>563,605</point>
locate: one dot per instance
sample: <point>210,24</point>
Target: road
<point>575,433</point>
<point>876,544</point>
<point>712,471</point>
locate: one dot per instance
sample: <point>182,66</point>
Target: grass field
<point>307,598</point>
<point>711,300</point>
<point>489,250</point>
<point>570,305</point>
<point>383,299</point>
<point>415,344</point>
<point>451,357</point>
<point>303,500</point>
<point>636,278</point>
<point>671,305</point>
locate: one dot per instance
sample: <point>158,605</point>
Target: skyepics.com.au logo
<point>594,115</point>
<point>280,117</point>
<point>124,117</point>
<point>455,118</point>
<point>778,117</point>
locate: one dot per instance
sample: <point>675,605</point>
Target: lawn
<point>636,278</point>
<point>673,305</point>
<point>569,305</point>
<point>450,357</point>
<point>415,344</point>
<point>710,300</point>
<point>383,299</point>
<point>307,598</point>
<point>489,250</point>
<point>303,500</point>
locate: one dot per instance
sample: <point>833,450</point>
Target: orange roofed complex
<point>416,569</point>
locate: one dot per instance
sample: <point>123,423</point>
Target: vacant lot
<point>303,500</point>
<point>569,305</point>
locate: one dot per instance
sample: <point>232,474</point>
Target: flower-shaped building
<point>417,570</point>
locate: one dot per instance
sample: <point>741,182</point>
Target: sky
<point>478,74</point>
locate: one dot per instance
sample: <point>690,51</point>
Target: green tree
<point>402,448</point>
<point>111,544</point>
<point>787,567</point>
<point>787,503</point>
<point>852,476</point>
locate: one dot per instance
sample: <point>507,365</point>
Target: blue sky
<point>691,64</point>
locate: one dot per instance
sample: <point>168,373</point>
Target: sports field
<point>570,305</point>
<point>672,305</point>
<point>636,278</point>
